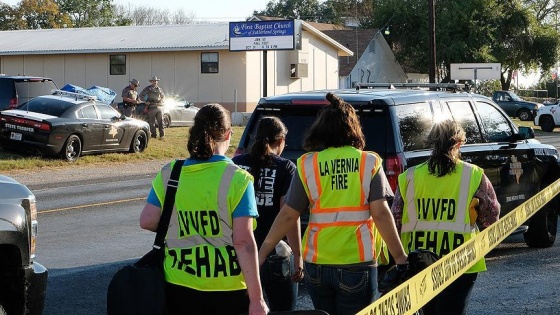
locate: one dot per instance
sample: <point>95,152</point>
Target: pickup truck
<point>23,281</point>
<point>514,106</point>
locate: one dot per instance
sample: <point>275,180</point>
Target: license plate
<point>15,136</point>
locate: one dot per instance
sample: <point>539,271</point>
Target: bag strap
<point>163,224</point>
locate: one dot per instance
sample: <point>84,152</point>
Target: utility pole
<point>432,34</point>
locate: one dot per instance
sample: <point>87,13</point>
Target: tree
<point>470,31</point>
<point>89,13</point>
<point>10,18</point>
<point>292,9</point>
<point>42,14</point>
<point>155,16</point>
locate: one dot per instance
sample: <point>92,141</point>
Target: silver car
<point>176,112</point>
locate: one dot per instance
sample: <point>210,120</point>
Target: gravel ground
<point>43,178</point>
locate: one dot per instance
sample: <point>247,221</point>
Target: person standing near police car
<point>153,96</point>
<point>440,204</point>
<point>211,262</point>
<point>346,192</point>
<point>130,97</point>
<point>272,176</point>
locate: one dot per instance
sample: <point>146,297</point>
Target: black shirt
<point>273,183</point>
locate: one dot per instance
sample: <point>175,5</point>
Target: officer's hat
<point>135,82</point>
<point>154,78</point>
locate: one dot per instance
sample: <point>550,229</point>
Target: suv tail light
<point>394,166</point>
<point>13,103</point>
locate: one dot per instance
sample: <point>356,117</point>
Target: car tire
<point>542,228</point>
<point>12,286</point>
<point>139,142</point>
<point>72,148</point>
<point>524,115</point>
<point>166,121</point>
<point>547,123</point>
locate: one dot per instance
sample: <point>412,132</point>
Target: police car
<point>70,125</point>
<point>396,119</point>
<point>548,117</point>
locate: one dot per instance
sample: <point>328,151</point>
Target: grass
<point>174,146</point>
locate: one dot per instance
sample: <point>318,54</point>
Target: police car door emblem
<point>515,168</point>
<point>114,131</point>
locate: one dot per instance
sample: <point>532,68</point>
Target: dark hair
<point>337,126</point>
<point>443,139</point>
<point>270,130</point>
<point>211,122</point>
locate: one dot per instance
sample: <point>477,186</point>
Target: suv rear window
<point>47,106</point>
<point>298,120</point>
<point>27,90</point>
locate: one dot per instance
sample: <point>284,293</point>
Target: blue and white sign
<point>262,35</point>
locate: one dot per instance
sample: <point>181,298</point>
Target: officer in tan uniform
<point>130,97</point>
<point>153,96</point>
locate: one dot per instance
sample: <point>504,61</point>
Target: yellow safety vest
<point>337,182</point>
<point>199,241</point>
<point>436,209</point>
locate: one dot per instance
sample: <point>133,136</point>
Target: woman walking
<point>273,175</point>
<point>346,192</point>
<point>210,263</point>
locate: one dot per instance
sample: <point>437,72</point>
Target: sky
<point>206,10</point>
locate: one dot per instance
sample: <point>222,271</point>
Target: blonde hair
<point>443,140</point>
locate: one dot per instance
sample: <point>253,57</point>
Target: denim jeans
<point>340,291</point>
<point>280,293</point>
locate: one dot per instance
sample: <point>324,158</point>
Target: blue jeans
<point>340,291</point>
<point>280,293</point>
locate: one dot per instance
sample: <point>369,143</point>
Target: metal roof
<point>128,39</point>
<point>115,39</point>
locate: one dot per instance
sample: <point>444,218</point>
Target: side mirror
<point>526,132</point>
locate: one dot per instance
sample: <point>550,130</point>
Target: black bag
<point>417,261</point>
<point>140,288</point>
<point>278,267</point>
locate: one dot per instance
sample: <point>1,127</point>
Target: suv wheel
<point>542,228</point>
<point>524,114</point>
<point>166,121</point>
<point>547,123</point>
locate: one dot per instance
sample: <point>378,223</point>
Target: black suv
<point>396,121</point>
<point>15,90</point>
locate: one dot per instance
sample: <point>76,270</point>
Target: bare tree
<point>154,16</point>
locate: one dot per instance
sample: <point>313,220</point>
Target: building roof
<point>356,40</point>
<point>128,39</point>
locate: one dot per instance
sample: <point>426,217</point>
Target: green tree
<point>308,10</point>
<point>506,32</point>
<point>10,18</point>
<point>89,13</point>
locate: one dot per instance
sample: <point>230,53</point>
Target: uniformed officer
<point>440,204</point>
<point>153,96</point>
<point>130,97</point>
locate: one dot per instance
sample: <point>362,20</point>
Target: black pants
<point>454,299</point>
<point>183,300</point>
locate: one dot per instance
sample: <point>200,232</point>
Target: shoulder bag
<point>140,288</point>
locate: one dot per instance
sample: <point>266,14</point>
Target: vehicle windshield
<point>515,97</point>
<point>46,106</point>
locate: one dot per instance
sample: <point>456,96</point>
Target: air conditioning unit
<point>299,70</point>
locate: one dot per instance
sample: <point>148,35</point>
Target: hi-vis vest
<point>199,245</point>
<point>436,209</point>
<point>337,181</point>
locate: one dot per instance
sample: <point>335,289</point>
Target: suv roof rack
<point>76,95</point>
<point>434,86</point>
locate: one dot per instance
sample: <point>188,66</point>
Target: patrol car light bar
<point>76,95</point>
<point>436,86</point>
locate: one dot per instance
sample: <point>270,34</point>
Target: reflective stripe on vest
<point>353,218</point>
<point>459,226</point>
<point>223,212</point>
<point>199,242</point>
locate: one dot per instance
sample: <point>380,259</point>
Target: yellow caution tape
<point>411,295</point>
